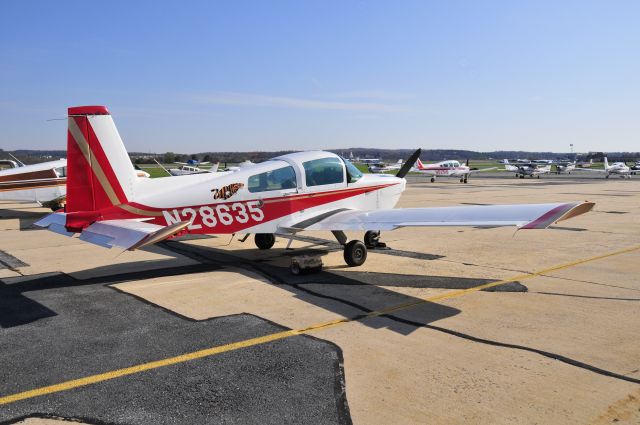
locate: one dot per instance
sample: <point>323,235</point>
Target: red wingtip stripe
<point>548,218</point>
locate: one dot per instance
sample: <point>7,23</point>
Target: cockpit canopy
<point>310,169</point>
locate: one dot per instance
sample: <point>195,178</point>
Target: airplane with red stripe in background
<point>447,168</point>
<point>108,205</point>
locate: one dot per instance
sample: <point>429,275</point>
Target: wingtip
<point>559,213</point>
<point>577,210</point>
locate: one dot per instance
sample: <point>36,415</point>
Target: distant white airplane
<point>527,169</point>
<point>584,164</point>
<point>303,191</point>
<point>563,167</point>
<point>448,168</point>
<point>617,168</point>
<point>382,167</point>
<point>187,169</point>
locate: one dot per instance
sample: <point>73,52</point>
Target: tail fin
<point>420,165</point>
<point>606,163</point>
<point>100,173</point>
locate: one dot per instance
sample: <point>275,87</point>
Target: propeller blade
<point>407,165</point>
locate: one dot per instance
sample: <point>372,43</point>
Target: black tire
<point>522,176</point>
<point>371,238</point>
<point>461,180</point>
<point>355,253</point>
<point>517,175</point>
<point>264,240</point>
<point>433,179</point>
<point>465,181</point>
<point>294,268</point>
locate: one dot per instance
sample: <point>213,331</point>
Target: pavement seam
<point>88,380</point>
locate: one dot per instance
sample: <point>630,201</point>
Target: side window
<point>282,178</point>
<point>61,171</point>
<point>323,171</point>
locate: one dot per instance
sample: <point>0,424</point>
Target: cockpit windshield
<point>353,173</point>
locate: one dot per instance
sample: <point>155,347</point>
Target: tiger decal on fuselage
<point>226,192</point>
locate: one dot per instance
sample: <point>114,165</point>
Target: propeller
<point>407,165</point>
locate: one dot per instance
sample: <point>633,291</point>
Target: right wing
<point>526,216</point>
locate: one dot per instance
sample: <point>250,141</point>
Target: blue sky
<point>267,75</point>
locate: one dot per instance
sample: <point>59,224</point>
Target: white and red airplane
<point>108,205</point>
<point>447,168</point>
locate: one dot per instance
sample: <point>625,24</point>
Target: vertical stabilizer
<point>100,173</point>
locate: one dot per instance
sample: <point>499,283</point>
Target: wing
<point>527,216</point>
<point>597,170</point>
<point>127,234</point>
<point>482,169</point>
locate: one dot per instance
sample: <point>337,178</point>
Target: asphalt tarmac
<point>446,326</point>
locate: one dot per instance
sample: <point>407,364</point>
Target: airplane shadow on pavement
<point>347,293</point>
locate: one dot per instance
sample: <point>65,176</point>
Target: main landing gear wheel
<point>433,179</point>
<point>371,238</point>
<point>264,240</point>
<point>355,253</point>
<point>462,181</point>
<point>521,176</point>
<point>517,175</point>
<point>465,180</point>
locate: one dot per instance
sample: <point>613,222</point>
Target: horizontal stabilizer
<point>126,234</point>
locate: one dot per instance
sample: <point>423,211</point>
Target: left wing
<point>526,216</point>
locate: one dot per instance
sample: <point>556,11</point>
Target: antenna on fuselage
<point>407,165</point>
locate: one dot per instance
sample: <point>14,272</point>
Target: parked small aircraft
<point>190,169</point>
<point>565,167</point>
<point>381,167</point>
<point>42,183</point>
<point>448,168</point>
<point>617,168</point>
<point>585,164</point>
<point>304,191</point>
<point>527,169</point>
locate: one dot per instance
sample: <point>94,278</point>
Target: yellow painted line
<point>118,373</point>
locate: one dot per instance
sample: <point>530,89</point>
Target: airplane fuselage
<point>260,198</point>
